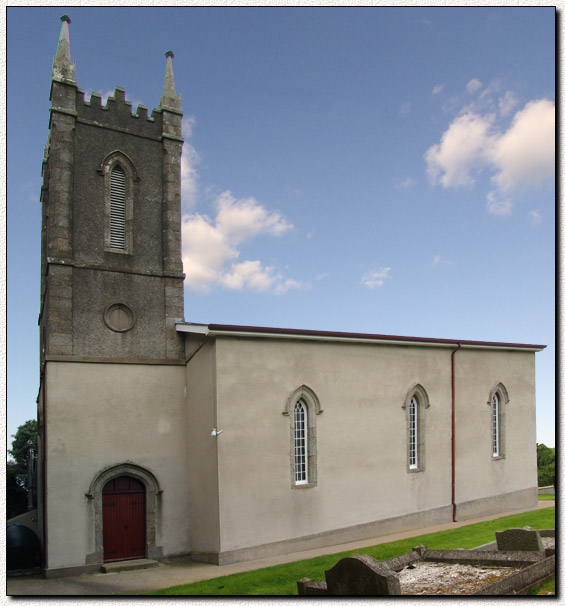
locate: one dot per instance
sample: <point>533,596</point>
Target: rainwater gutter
<point>453,505</point>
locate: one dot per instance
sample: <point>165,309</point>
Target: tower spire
<point>62,68</point>
<point>170,97</point>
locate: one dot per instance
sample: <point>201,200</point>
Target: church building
<point>160,437</point>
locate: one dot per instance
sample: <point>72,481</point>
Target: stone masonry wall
<point>82,277</point>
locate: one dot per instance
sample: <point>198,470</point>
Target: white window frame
<point>413,439</point>
<point>495,425</point>
<point>415,405</point>
<point>498,401</point>
<point>308,400</point>
<point>300,442</point>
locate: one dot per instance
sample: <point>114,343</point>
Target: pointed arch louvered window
<point>120,184</point>
<point>118,208</point>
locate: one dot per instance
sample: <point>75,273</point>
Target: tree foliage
<point>25,439</point>
<point>16,494</point>
<point>546,465</point>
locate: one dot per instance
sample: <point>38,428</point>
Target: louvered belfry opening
<point>123,519</point>
<point>118,208</point>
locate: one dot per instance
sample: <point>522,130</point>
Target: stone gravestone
<point>519,539</point>
<point>361,575</point>
<point>307,586</point>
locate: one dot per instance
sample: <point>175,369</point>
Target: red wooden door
<point>123,519</point>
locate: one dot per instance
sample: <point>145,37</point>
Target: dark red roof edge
<point>355,335</point>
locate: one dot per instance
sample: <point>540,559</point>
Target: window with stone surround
<point>302,408</point>
<point>118,208</point>
<point>498,400</point>
<point>413,433</point>
<point>415,405</point>
<point>120,177</point>
<point>300,442</point>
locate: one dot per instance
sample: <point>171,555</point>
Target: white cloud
<point>210,247</point>
<point>491,93</point>
<point>405,108</point>
<point>525,154</point>
<point>189,161</point>
<point>189,176</point>
<point>520,157</point>
<point>437,89</point>
<point>496,205</point>
<point>439,261</point>
<point>535,216</point>
<point>463,148</point>
<point>375,277</point>
<point>404,183</point>
<point>507,103</point>
<point>187,126</point>
<point>241,220</point>
<point>473,85</point>
<point>251,275</point>
<point>491,99</point>
<point>205,251</point>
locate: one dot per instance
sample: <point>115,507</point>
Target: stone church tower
<point>112,397</point>
<point>112,281</point>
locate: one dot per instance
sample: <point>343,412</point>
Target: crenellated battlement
<point>68,100</point>
<point>117,113</point>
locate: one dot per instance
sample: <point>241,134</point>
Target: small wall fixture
<point>216,432</point>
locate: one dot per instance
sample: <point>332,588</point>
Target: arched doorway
<point>123,519</point>
<point>95,495</point>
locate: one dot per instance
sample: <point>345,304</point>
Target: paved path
<point>179,571</point>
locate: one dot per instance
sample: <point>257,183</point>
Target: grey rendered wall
<point>362,475</point>
<point>361,437</point>
<point>101,415</point>
<point>479,475</point>
<point>203,456</point>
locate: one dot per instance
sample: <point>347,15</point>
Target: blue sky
<point>381,170</point>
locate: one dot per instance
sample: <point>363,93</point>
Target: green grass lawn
<point>546,588</point>
<point>281,579</point>
<point>546,497</point>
